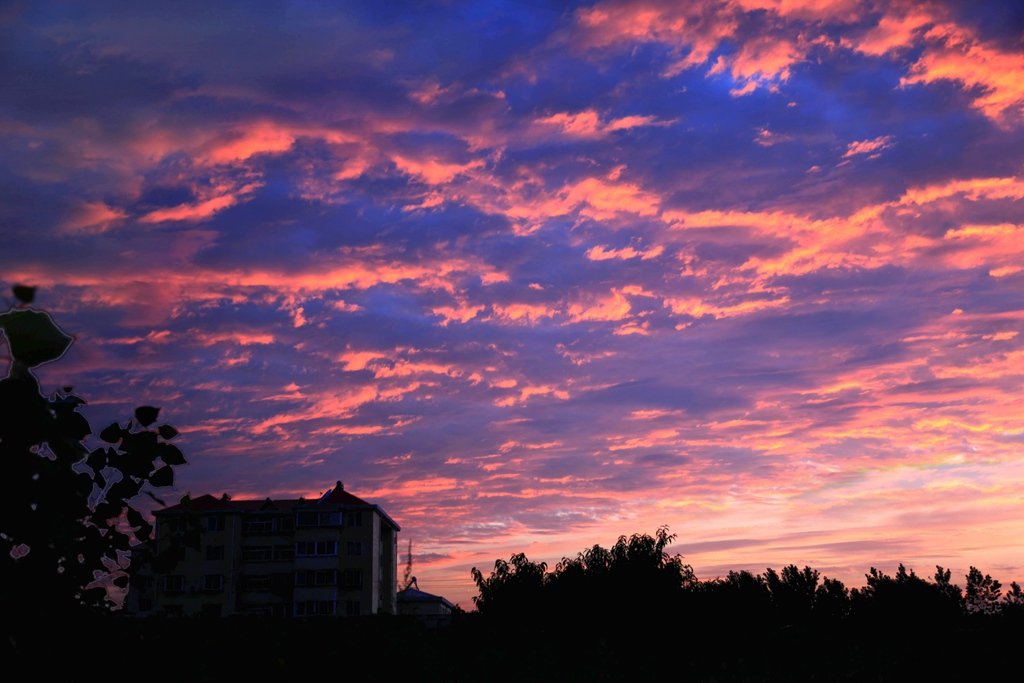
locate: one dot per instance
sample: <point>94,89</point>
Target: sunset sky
<point>532,275</point>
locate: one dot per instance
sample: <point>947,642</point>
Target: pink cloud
<point>588,124</point>
<point>522,312</point>
<point>434,172</point>
<point>533,390</point>
<point>191,212</point>
<point>698,307</point>
<point>462,313</point>
<point>760,63</point>
<point>610,307</point>
<point>599,253</point>
<point>955,55</point>
<point>92,217</point>
<point>894,31</point>
<point>694,28</point>
<point>868,146</point>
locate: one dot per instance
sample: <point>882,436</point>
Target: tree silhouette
<point>65,511</point>
<point>982,593</point>
<point>637,571</point>
<point>513,586</point>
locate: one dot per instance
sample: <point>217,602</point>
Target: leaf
<point>135,517</point>
<point>158,501</point>
<point>97,459</point>
<point>71,423</point>
<point>105,511</point>
<point>144,531</point>
<point>33,338</point>
<point>122,491</point>
<point>167,431</point>
<point>111,433</point>
<point>146,415</point>
<point>162,477</point>
<point>24,293</point>
<point>171,454</point>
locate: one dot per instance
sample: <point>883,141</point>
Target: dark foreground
<point>478,648</point>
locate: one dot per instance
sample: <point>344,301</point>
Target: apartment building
<point>333,556</point>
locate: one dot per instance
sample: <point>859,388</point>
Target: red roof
<point>334,496</point>
<point>207,503</point>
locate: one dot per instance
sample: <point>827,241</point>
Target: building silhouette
<point>333,556</point>
<point>432,610</point>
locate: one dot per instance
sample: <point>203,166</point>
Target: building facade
<point>334,556</point>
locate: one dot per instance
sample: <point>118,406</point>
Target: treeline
<point>637,577</point>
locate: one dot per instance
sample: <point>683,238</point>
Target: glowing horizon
<point>531,278</point>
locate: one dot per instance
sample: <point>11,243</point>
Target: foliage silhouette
<point>982,593</point>
<point>906,598</point>
<point>637,570</point>
<point>66,519</point>
<point>515,585</point>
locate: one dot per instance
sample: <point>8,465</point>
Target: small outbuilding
<point>433,610</point>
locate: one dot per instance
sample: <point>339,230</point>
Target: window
<point>257,583</point>
<point>215,523</point>
<point>311,608</point>
<point>266,524</point>
<point>173,525</point>
<point>353,519</point>
<point>214,552</point>
<point>326,577</point>
<point>174,584</point>
<point>258,525</point>
<point>266,553</point>
<point>317,518</point>
<point>315,548</point>
<point>301,577</point>
<point>257,553</point>
<point>355,548</point>
<point>213,582</point>
<point>353,608</point>
<point>353,578</point>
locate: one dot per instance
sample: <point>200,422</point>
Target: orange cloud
<point>462,313</point>
<point>238,338</point>
<point>612,307</point>
<point>894,31</point>
<point>867,146</point>
<point>697,307</point>
<point>533,390</point>
<point>92,217</point>
<point>588,124</point>
<point>695,29</point>
<point>340,405</point>
<point>261,137</point>
<point>191,212</point>
<point>522,312</point>
<point>760,62</point>
<point>358,360</point>
<point>599,253</point>
<point>403,368</point>
<point>432,171</point>
<point>954,54</point>
<point>973,189</point>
